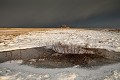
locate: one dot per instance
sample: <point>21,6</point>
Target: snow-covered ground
<point>92,38</point>
<point>14,71</point>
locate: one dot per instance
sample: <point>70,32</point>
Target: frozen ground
<point>14,71</point>
<point>94,39</point>
<point>86,38</point>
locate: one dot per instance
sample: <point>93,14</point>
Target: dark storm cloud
<point>35,13</point>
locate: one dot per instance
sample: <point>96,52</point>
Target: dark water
<point>48,58</point>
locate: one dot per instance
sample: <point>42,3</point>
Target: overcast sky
<point>51,13</point>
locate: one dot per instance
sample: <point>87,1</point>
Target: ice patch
<point>15,71</point>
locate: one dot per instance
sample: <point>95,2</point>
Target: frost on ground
<point>114,76</point>
<point>15,71</point>
<point>66,42</point>
<point>17,75</point>
<point>91,38</point>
